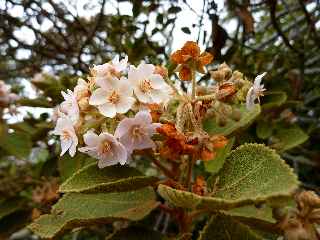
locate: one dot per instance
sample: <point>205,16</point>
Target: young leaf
<point>109,179</point>
<point>274,99</point>
<point>221,227</point>
<point>216,164</point>
<point>250,175</point>
<point>212,127</point>
<point>80,209</point>
<point>288,137</point>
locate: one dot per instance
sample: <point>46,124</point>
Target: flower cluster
<point>6,96</point>
<point>98,113</point>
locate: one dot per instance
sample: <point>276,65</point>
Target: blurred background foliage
<point>280,37</point>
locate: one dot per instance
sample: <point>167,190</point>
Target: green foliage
<point>212,127</point>
<point>264,129</point>
<point>213,166</point>
<point>222,227</point>
<point>110,179</point>
<point>81,209</point>
<point>10,206</point>
<point>17,144</point>
<point>250,175</point>
<point>274,99</point>
<point>136,233</point>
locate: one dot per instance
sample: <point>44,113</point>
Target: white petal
<point>98,97</point>
<point>65,145</point>
<point>124,87</point>
<point>124,104</point>
<point>258,79</point>
<point>144,144</point>
<point>145,70</point>
<point>142,97</point>
<point>159,96</point>
<point>143,117</point>
<point>157,81</point>
<point>91,139</point>
<point>121,154</point>
<point>91,151</point>
<point>123,127</point>
<point>250,98</point>
<point>108,110</point>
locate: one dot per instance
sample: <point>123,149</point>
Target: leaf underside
<point>110,179</point>
<point>82,209</point>
<point>250,175</point>
<point>212,127</point>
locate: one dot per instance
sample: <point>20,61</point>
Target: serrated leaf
<point>216,164</point>
<point>82,209</point>
<point>287,137</point>
<point>110,179</point>
<point>222,227</point>
<point>136,233</point>
<point>10,206</point>
<point>263,129</point>
<point>69,165</point>
<point>250,175</point>
<point>212,127</point>
<point>273,99</point>
<point>17,144</point>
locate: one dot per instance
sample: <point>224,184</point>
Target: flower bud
<point>84,103</point>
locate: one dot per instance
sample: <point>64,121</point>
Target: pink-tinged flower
<point>255,92</point>
<point>70,106</point>
<point>113,100</point>
<point>105,73</point>
<point>104,147</point>
<point>148,86</point>
<point>135,133</point>
<point>68,136</point>
<point>6,97</point>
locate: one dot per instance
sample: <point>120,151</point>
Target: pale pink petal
<point>144,144</point>
<point>159,96</point>
<point>145,70</point>
<point>157,81</point>
<point>108,110</point>
<point>143,117</point>
<point>124,104</point>
<point>65,145</point>
<point>121,154</point>
<point>91,151</point>
<point>98,97</point>
<point>123,127</point>
<point>90,138</point>
<point>142,97</point>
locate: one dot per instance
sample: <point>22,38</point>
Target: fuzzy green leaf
<point>287,137</point>
<point>273,99</point>
<point>136,233</point>
<point>212,127</point>
<point>216,164</point>
<point>250,175</point>
<point>222,227</point>
<point>109,179</point>
<point>17,144</point>
<point>81,209</point>
<point>263,213</point>
<point>264,129</point>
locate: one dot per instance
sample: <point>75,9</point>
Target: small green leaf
<point>287,137</point>
<point>264,129</point>
<point>212,127</point>
<point>273,99</point>
<point>250,175</point>
<point>110,179</point>
<point>186,30</point>
<point>81,209</point>
<point>136,233</point>
<point>216,164</point>
<point>17,144</point>
<point>222,227</point>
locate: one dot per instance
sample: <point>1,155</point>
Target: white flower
<point>70,105</point>
<point>6,97</point>
<point>135,133</point>
<point>68,136</point>
<point>148,86</point>
<point>255,91</point>
<point>113,100</point>
<point>105,73</point>
<point>104,147</point>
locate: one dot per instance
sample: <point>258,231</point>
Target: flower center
<point>105,146</point>
<point>137,132</point>
<point>65,135</point>
<point>145,86</point>
<point>114,97</point>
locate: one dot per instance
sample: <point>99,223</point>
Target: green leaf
<point>222,227</point>
<point>17,144</point>
<point>264,129</point>
<point>186,30</point>
<point>273,99</point>
<point>110,179</point>
<point>136,233</point>
<point>216,164</point>
<point>174,9</point>
<point>250,175</point>
<point>68,165</point>
<point>212,127</point>
<point>263,212</point>
<point>81,209</point>
<point>10,206</point>
<point>287,137</point>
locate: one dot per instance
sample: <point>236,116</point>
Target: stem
<point>193,78</point>
<point>189,174</point>
<point>165,170</point>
